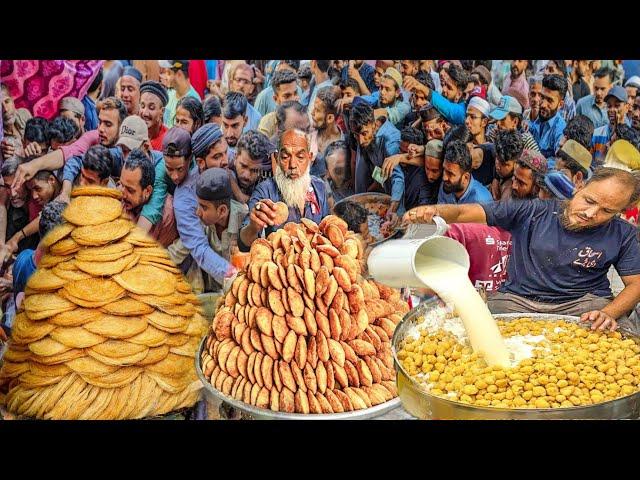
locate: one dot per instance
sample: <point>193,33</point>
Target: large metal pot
<point>426,406</point>
<point>218,400</point>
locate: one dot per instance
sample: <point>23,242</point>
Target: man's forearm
<point>416,161</point>
<point>364,90</point>
<point>626,299</point>
<point>466,213</point>
<point>248,234</point>
<point>51,161</point>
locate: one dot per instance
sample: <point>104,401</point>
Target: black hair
<point>62,130</point>
<point>211,108</point>
<point>413,135</point>
<point>350,82</point>
<point>194,107</point>
<point>485,63</point>
<point>557,83</point>
<point>631,135</point>
<point>425,79</point>
<point>35,130</point>
<point>561,66</point>
<point>329,97</point>
<point>44,175</point>
<point>97,81</point>
<point>459,76</point>
<point>457,133</point>
<point>580,128</point>
<point>98,159</point>
<point>361,115</point>
<point>458,153</point>
<point>335,146</point>
<point>50,217</point>
<point>256,144</point>
<point>323,65</point>
<point>467,65</point>
<point>295,64</point>
<point>138,159</point>
<point>573,166</point>
<point>509,145</point>
<point>353,213</point>
<point>235,103</point>
<point>304,72</point>
<point>113,103</point>
<point>604,72</point>
<point>281,77</point>
<point>281,112</point>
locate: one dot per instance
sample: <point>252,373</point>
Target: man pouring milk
<point>562,250</point>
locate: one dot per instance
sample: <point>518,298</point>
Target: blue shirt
<point>269,189</point>
<point>598,115</point>
<point>90,114</point>
<point>366,72</point>
<point>548,134</point>
<point>395,113</point>
<point>551,264</point>
<point>253,119</point>
<point>452,112</point>
<point>23,268</point>
<point>191,231</point>
<point>475,193</point>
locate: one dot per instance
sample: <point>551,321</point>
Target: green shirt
<point>170,109</point>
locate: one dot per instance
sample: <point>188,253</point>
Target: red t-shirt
<point>488,248</point>
<point>34,208</point>
<point>156,143</point>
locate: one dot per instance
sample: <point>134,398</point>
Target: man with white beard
<point>304,194</point>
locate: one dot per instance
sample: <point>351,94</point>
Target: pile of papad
<point>108,328</point>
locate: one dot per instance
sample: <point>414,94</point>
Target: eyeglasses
<point>243,81</point>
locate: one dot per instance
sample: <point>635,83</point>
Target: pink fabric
<point>489,249</point>
<point>80,146</point>
<point>38,85</point>
<point>521,85</point>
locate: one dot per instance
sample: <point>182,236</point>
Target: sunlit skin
<point>550,104</point>
<point>449,89</point>
<point>523,184</point>
<point>130,94</point>
<point>601,87</point>
<point>184,120</point>
<point>43,191</point>
<point>475,122</point>
<point>517,67</point>
<point>247,170</point>
<point>8,108</point>
<point>409,67</point>
<point>216,157</point>
<point>616,110</point>
<point>377,76</point>
<point>232,128</point>
<point>596,204</point>
<point>435,129</point>
<point>433,168</point>
<point>109,126</point>
<point>134,197</point>
<point>91,177</point>
<point>151,111</point>
<point>176,168</point>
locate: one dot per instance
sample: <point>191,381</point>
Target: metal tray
<point>423,405</point>
<point>362,198</point>
<point>249,412</point>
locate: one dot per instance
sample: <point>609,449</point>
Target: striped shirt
<point>528,140</point>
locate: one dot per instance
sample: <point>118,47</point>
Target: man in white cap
<point>477,119</point>
<point>388,101</point>
<point>73,109</point>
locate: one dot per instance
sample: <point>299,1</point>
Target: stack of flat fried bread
<point>108,328</point>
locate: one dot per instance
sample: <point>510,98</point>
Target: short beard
<point>295,191</point>
<point>564,219</point>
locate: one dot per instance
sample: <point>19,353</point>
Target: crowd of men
<point>202,150</point>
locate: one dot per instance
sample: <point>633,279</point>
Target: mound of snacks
<point>108,328</point>
<point>300,330</point>
<point>554,364</point>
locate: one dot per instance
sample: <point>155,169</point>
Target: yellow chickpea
<point>469,390</point>
<point>492,389</point>
<point>539,391</point>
